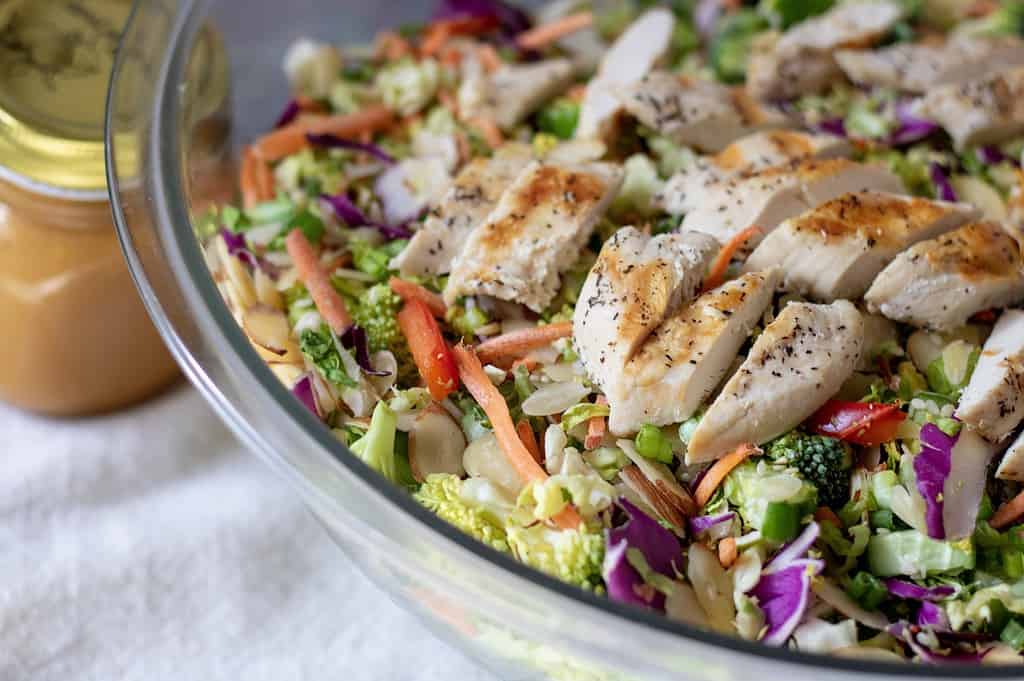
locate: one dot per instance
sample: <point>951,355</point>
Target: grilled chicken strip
<point>748,154</point>
<point>802,60</point>
<point>687,356</point>
<point>993,401</point>
<point>988,110</point>
<point>914,67</point>
<point>835,250</point>
<point>534,233</point>
<point>631,57</point>
<point>1012,465</point>
<point>694,112</point>
<point>940,283</point>
<point>767,197</point>
<point>513,92</point>
<point>797,363</point>
<point>466,204</point>
<point>635,284</point>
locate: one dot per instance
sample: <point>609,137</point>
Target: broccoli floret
<point>375,311</point>
<point>823,461</point>
<point>574,556</point>
<point>441,494</point>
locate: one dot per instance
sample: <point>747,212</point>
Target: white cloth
<point>149,546</point>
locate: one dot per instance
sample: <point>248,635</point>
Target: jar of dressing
<point>76,337</point>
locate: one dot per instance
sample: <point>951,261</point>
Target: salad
<point>706,307</point>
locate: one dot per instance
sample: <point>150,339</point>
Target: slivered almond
<point>661,477</point>
<point>436,444</point>
<point>268,328</point>
<point>639,483</point>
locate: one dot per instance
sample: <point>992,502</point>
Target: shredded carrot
<point>406,290</point>
<point>489,129</point>
<point>577,92</point>
<point>451,56</point>
<point>292,137</point>
<point>529,439</point>
<point>308,104</point>
<point>824,514</point>
<point>391,46</point>
<point>264,179</point>
<point>489,58</point>
<point>527,362</point>
<point>449,102</point>
<point>462,145</point>
<point>596,428</point>
<point>247,179</point>
<point>719,470</point>
<point>545,34</point>
<point>328,303</point>
<point>717,273</point>
<point>490,400</point>
<point>515,344</point>
<point>440,32</point>
<point>1009,512</point>
<point>727,552</point>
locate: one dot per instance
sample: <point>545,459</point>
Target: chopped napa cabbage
<point>977,610</point>
<point>752,486</point>
<point>574,556</point>
<point>321,348</point>
<point>581,413</point>
<point>949,373</point>
<point>912,553</point>
<point>377,447</point>
<point>443,494</point>
<point>640,185</point>
<point>408,86</point>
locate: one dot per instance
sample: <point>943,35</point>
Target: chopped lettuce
<point>911,553</point>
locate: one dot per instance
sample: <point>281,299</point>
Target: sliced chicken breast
<point>467,202</point>
<point>748,154</point>
<point>635,284</point>
<point>797,363</point>
<point>988,110</point>
<point>802,60</point>
<point>766,197</point>
<point>536,232</point>
<point>940,283</point>
<point>1012,465</point>
<point>695,112</point>
<point>993,401</point>
<point>836,250</point>
<point>631,57</point>
<point>916,67</point>
<point>513,92</point>
<point>688,355</point>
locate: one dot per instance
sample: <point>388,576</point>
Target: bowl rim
<point>197,277</point>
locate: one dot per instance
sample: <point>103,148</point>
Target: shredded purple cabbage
<point>510,19</point>
<point>795,550</point>
<point>783,596</point>
<point>290,113</point>
<point>911,128</point>
<point>943,188</point>
<point>833,126</point>
<point>660,548</point>
<point>906,633</point>
<point>328,141</point>
<point>345,209</point>
<point>354,338</point>
<point>238,248</point>
<point>303,389</point>
<point>703,523</point>
<point>932,467</point>
<point>931,616</point>
<point>904,589</point>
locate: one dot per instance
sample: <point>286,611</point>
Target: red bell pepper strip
<point>862,423</point>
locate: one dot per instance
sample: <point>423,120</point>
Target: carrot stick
<point>406,290</point>
<point>247,179</point>
<point>824,514</point>
<point>328,303</point>
<point>727,552</point>
<point>264,179</point>
<point>545,34</point>
<point>488,127</point>
<point>515,344</point>
<point>718,472</point>
<point>1008,512</point>
<point>489,58</point>
<point>717,273</point>
<point>596,428</point>
<point>529,439</point>
<point>292,138</point>
<point>490,400</point>
<point>440,32</point>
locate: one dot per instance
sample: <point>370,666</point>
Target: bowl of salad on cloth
<point>620,340</point>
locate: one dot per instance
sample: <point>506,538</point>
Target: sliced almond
<point>647,491</point>
<point>266,290</point>
<point>436,444</point>
<point>662,478</point>
<point>268,328</point>
<point>483,458</point>
<point>238,276</point>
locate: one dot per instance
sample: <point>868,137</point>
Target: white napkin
<point>148,545</point>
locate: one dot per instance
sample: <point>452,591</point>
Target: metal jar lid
<point>56,58</point>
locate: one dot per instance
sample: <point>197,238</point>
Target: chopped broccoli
<point>752,485</point>
<point>730,46</point>
<point>373,260</point>
<point>377,447</point>
<point>574,556</point>
<point>823,461</point>
<point>441,493</point>
<point>375,311</point>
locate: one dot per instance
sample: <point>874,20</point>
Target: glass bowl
<point>515,621</point>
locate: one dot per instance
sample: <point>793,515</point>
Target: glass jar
<point>76,337</point>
